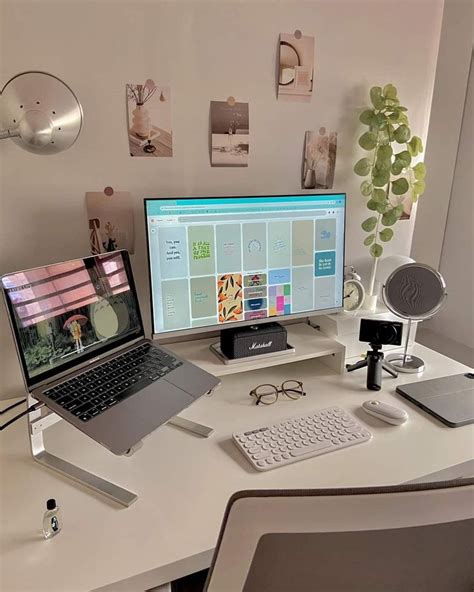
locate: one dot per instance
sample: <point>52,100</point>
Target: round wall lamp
<point>40,113</point>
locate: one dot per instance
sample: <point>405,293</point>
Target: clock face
<point>353,295</point>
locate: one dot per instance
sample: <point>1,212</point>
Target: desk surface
<point>184,481</point>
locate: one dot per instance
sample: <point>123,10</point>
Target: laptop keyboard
<point>96,390</point>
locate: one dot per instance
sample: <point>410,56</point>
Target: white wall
<point>455,323</point>
<point>449,95</point>
<point>205,50</point>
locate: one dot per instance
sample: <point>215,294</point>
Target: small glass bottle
<point>51,520</point>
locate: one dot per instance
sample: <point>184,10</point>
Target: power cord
<point>31,408</point>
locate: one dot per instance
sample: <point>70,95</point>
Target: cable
<point>34,407</point>
<point>2,411</point>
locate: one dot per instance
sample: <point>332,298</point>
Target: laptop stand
<point>37,424</point>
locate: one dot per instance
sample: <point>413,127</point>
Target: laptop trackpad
<point>137,416</point>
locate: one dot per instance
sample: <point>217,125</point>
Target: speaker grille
<point>414,291</point>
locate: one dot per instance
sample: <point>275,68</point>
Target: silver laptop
<point>80,341</point>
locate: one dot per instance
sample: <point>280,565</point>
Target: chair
<point>412,537</point>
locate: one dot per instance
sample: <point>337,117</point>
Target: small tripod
<point>374,363</point>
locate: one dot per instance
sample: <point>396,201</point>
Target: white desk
<point>184,481</point>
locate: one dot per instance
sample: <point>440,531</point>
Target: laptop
<point>80,340</point>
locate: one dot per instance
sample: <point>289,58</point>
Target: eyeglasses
<point>268,393</point>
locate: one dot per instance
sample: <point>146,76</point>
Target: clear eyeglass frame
<point>267,394</point>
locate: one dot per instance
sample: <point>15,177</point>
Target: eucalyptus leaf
<point>386,234</point>
<point>400,186</point>
<point>379,121</point>
<point>376,97</point>
<point>389,91</point>
<point>369,240</point>
<point>401,108</point>
<point>415,146</point>
<point>372,205</point>
<point>379,195</point>
<point>362,167</point>
<point>384,151</point>
<point>381,178</point>
<point>402,134</point>
<point>391,216</point>
<point>397,168</point>
<point>369,224</point>
<point>391,102</point>
<point>419,187</point>
<point>367,116</point>
<point>376,250</point>
<point>368,141</point>
<point>420,171</point>
<point>382,207</point>
<point>404,158</point>
<point>402,118</point>
<point>366,188</point>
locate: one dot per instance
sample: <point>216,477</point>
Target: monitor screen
<point>65,313</point>
<point>217,262</point>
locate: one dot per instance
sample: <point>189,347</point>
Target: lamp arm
<point>8,133</point>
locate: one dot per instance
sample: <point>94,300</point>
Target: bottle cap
<point>51,504</point>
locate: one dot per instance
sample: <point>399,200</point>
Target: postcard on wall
<point>229,134</point>
<point>296,69</point>
<point>319,161</point>
<point>149,119</point>
<point>111,224</point>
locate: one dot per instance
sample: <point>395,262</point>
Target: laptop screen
<point>66,313</point>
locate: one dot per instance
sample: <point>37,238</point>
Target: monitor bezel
<point>88,357</point>
<point>203,331</point>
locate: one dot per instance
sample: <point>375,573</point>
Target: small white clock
<point>354,295</point>
<point>354,292</point>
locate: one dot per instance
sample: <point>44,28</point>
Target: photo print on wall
<point>149,119</point>
<point>110,218</point>
<point>296,69</point>
<point>229,134</point>
<point>319,160</point>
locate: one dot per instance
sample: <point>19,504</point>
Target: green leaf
<point>376,250</point>
<point>379,121</point>
<point>390,103</point>
<point>368,141</point>
<point>403,158</point>
<point>369,240</point>
<point>420,171</point>
<point>376,97</point>
<point>366,116</point>
<point>419,187</point>
<point>379,195</point>
<point>362,167</point>
<point>381,178</point>
<point>366,188</point>
<point>386,234</point>
<point>397,168</point>
<point>369,224</point>
<point>392,215</point>
<point>402,134</point>
<point>415,146</point>
<point>400,186</point>
<point>389,91</point>
<point>372,205</point>
<point>382,207</point>
<point>402,118</point>
<point>400,108</point>
<point>384,152</point>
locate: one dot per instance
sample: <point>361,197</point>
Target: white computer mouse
<point>385,412</point>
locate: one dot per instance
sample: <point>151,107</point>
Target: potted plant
<point>392,176</point>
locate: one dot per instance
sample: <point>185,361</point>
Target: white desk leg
<point>36,426</point>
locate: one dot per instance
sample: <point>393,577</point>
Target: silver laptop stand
<point>38,423</point>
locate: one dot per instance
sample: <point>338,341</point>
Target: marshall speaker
<point>253,341</point>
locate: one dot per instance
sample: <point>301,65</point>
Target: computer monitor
<point>223,262</point>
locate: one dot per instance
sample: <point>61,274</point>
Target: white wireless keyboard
<point>300,437</point>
